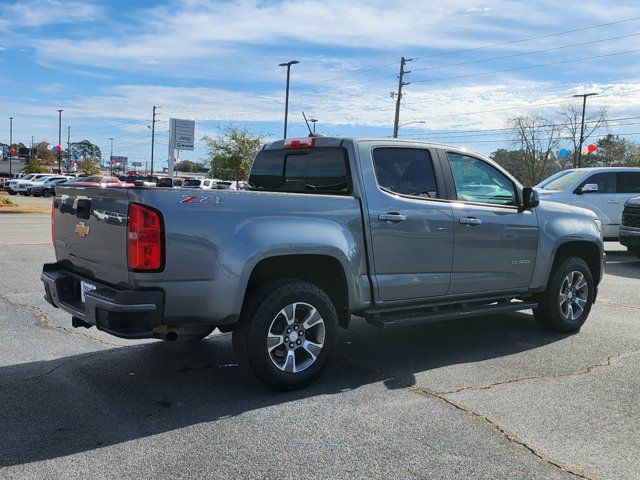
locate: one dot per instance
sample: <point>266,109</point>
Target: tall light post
<point>10,143</point>
<point>111,157</point>
<point>584,108</point>
<point>286,102</point>
<point>59,141</point>
<point>313,120</point>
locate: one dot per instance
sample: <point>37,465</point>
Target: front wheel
<point>286,334</point>
<point>565,305</point>
<point>634,251</point>
<point>11,192</point>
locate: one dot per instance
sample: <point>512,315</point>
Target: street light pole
<point>153,135</point>
<point>59,141</point>
<point>111,158</point>
<point>10,143</point>
<point>584,108</point>
<point>313,120</point>
<point>286,102</point>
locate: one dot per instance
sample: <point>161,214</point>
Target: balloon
<point>591,148</point>
<point>58,148</point>
<point>12,151</point>
<point>564,153</point>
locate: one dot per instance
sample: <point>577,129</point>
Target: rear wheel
<point>11,192</point>
<point>286,334</point>
<point>565,305</point>
<point>46,193</point>
<point>634,251</point>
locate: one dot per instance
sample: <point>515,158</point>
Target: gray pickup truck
<point>396,232</point>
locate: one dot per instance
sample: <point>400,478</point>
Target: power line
<point>528,66</point>
<point>527,39</point>
<point>531,52</point>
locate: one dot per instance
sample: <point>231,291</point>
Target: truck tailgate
<point>90,232</point>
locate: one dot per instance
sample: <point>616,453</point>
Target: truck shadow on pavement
<point>83,402</point>
<point>622,264</point>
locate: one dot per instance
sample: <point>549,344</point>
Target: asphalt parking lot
<point>493,397</point>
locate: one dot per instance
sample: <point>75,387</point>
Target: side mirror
<point>530,198</point>
<point>588,187</point>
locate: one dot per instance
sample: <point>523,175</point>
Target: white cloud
<point>37,13</point>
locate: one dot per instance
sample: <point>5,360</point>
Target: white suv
<point>21,186</point>
<point>600,189</point>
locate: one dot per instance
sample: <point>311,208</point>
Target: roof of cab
<point>337,141</point>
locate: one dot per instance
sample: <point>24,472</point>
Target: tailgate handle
<point>83,209</point>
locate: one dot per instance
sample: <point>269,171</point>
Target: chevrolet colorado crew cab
<point>396,232</point>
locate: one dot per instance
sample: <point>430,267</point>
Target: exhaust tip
<point>171,336</point>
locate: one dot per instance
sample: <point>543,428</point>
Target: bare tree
<point>538,138</point>
<point>571,118</point>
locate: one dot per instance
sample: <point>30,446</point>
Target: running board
<point>438,314</point>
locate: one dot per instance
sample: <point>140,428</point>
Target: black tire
<point>46,193</point>
<point>634,251</point>
<point>550,314</point>
<point>260,314</point>
<point>11,192</point>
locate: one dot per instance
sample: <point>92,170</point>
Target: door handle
<point>470,221</point>
<point>392,217</point>
<point>612,201</point>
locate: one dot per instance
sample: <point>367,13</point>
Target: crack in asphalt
<point>606,362</point>
<point>607,302</point>
<point>44,322</point>
<point>408,385</point>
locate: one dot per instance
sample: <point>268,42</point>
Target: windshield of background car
<point>316,170</point>
<point>552,178</point>
<point>191,183</point>
<point>563,182</point>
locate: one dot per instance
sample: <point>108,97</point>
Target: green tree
<point>189,166</point>
<point>231,153</point>
<point>35,165</point>
<point>88,167</point>
<point>85,149</point>
<point>614,151</point>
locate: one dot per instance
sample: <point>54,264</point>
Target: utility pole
<point>584,108</point>
<point>59,141</point>
<point>68,148</point>
<point>398,94</point>
<point>10,143</point>
<point>31,151</point>
<point>111,158</point>
<point>286,102</point>
<point>153,135</point>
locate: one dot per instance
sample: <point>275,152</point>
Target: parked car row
<point>603,190</point>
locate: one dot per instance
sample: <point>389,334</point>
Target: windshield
<point>563,182</point>
<point>553,177</point>
<point>191,183</point>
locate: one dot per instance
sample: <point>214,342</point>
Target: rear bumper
<point>630,237</point>
<point>123,313</point>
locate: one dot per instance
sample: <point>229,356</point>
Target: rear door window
<point>408,171</point>
<point>318,170</point>
<point>629,182</point>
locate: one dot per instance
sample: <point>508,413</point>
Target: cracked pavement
<point>493,397</point>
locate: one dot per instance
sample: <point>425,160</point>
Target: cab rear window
<point>318,170</point>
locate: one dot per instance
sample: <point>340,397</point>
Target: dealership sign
<point>181,134</point>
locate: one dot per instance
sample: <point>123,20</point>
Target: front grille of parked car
<point>631,216</point>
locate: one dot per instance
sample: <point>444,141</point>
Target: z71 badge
<point>201,200</point>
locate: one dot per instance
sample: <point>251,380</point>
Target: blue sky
<point>107,63</point>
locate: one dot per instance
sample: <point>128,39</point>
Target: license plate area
<point>85,287</point>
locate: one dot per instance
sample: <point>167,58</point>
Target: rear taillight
<point>53,222</point>
<point>144,238</point>
<point>305,142</point>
